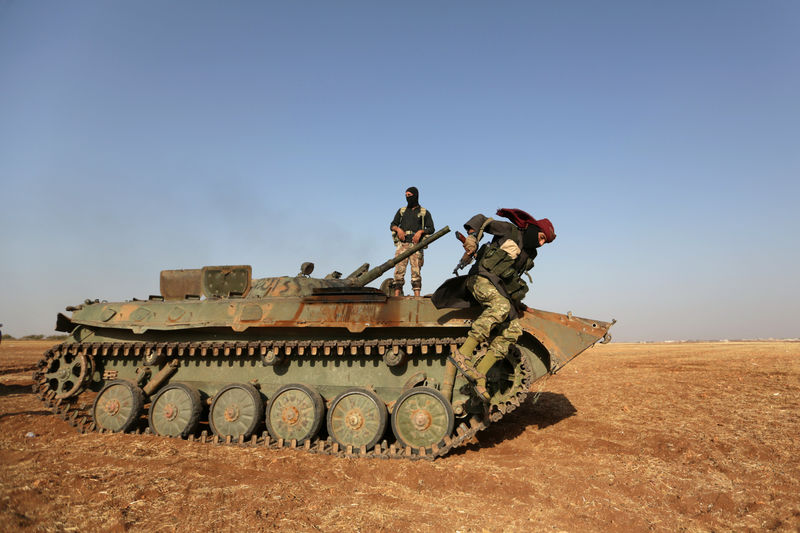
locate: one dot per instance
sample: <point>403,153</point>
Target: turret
<point>375,273</point>
<point>236,281</point>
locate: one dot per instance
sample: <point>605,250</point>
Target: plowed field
<point>628,437</point>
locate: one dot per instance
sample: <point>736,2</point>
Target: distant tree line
<point>35,337</point>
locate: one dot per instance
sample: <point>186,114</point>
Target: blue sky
<point>662,140</point>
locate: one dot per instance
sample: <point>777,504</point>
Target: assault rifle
<point>466,258</point>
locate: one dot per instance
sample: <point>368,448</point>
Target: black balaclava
<point>530,237</point>
<point>413,200</point>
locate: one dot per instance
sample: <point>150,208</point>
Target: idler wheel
<point>118,406</point>
<point>422,418</point>
<point>68,373</point>
<point>357,417</point>
<point>295,412</point>
<point>236,411</point>
<point>175,411</point>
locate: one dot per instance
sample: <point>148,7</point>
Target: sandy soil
<point>628,437</point>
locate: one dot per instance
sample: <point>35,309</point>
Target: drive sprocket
<point>66,374</point>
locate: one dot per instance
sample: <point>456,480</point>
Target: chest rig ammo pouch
<point>509,269</point>
<point>422,213</point>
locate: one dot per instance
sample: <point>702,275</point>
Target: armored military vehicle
<point>328,364</point>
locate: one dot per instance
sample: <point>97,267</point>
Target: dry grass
<point>693,437</point>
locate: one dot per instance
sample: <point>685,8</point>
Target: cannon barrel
<point>376,272</point>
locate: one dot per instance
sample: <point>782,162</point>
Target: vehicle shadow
<point>41,412</point>
<point>17,370</point>
<point>6,390</point>
<point>550,409</point>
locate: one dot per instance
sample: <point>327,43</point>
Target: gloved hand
<point>470,244</point>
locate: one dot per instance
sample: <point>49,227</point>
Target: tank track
<point>80,417</point>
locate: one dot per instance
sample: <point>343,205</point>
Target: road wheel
<point>175,411</point>
<point>357,417</point>
<point>118,406</point>
<point>295,412</point>
<point>422,417</point>
<point>236,411</point>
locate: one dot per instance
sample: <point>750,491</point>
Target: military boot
<point>488,361</point>
<point>464,362</point>
<point>480,389</point>
<point>483,368</point>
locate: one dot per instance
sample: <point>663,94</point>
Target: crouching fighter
<point>495,282</point>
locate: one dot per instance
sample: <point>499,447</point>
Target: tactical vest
<point>509,270</point>
<point>422,213</point>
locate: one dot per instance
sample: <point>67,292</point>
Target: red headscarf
<point>523,219</point>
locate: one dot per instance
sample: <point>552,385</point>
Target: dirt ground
<point>627,437</point>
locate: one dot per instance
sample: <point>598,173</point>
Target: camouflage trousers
<point>496,308</point>
<point>416,261</point>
